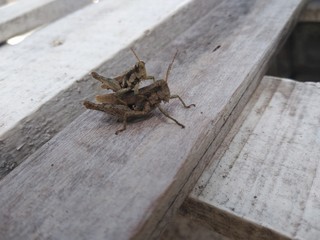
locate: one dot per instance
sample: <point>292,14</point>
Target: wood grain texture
<point>23,16</point>
<point>45,82</point>
<point>89,183</point>
<point>263,182</point>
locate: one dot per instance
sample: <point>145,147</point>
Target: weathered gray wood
<point>263,182</point>
<point>23,16</point>
<point>89,183</point>
<point>50,78</point>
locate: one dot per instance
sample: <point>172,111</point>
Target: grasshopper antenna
<point>136,55</point>
<point>170,66</point>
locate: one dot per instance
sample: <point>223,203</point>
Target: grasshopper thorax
<point>164,91</point>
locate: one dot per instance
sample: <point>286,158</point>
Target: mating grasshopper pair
<point>128,101</point>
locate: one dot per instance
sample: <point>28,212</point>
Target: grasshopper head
<point>140,66</point>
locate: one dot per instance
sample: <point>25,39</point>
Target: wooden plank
<point>312,12</point>
<point>263,182</point>
<point>54,91</point>
<point>23,16</point>
<point>89,183</point>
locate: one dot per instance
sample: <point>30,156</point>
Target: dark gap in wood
<point>299,58</point>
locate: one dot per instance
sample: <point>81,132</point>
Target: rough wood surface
<point>49,79</point>
<point>23,16</point>
<point>89,183</point>
<point>264,181</point>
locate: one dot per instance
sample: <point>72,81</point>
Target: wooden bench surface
<point>264,181</point>
<point>89,183</point>
<point>45,77</point>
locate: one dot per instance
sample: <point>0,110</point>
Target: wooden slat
<point>23,16</point>
<point>263,182</point>
<point>89,183</point>
<point>46,83</point>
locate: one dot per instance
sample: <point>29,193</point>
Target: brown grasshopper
<point>130,105</point>
<point>128,80</point>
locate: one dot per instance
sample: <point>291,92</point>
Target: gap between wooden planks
<point>89,183</point>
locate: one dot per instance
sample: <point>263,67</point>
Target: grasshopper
<point>128,80</point>
<point>130,105</point>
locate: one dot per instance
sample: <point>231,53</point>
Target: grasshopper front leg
<point>127,115</point>
<point>177,96</point>
<point>133,113</point>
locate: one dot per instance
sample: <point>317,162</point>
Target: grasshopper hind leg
<point>168,116</point>
<point>183,103</point>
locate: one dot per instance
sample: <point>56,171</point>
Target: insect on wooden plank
<point>129,105</point>
<point>128,80</point>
